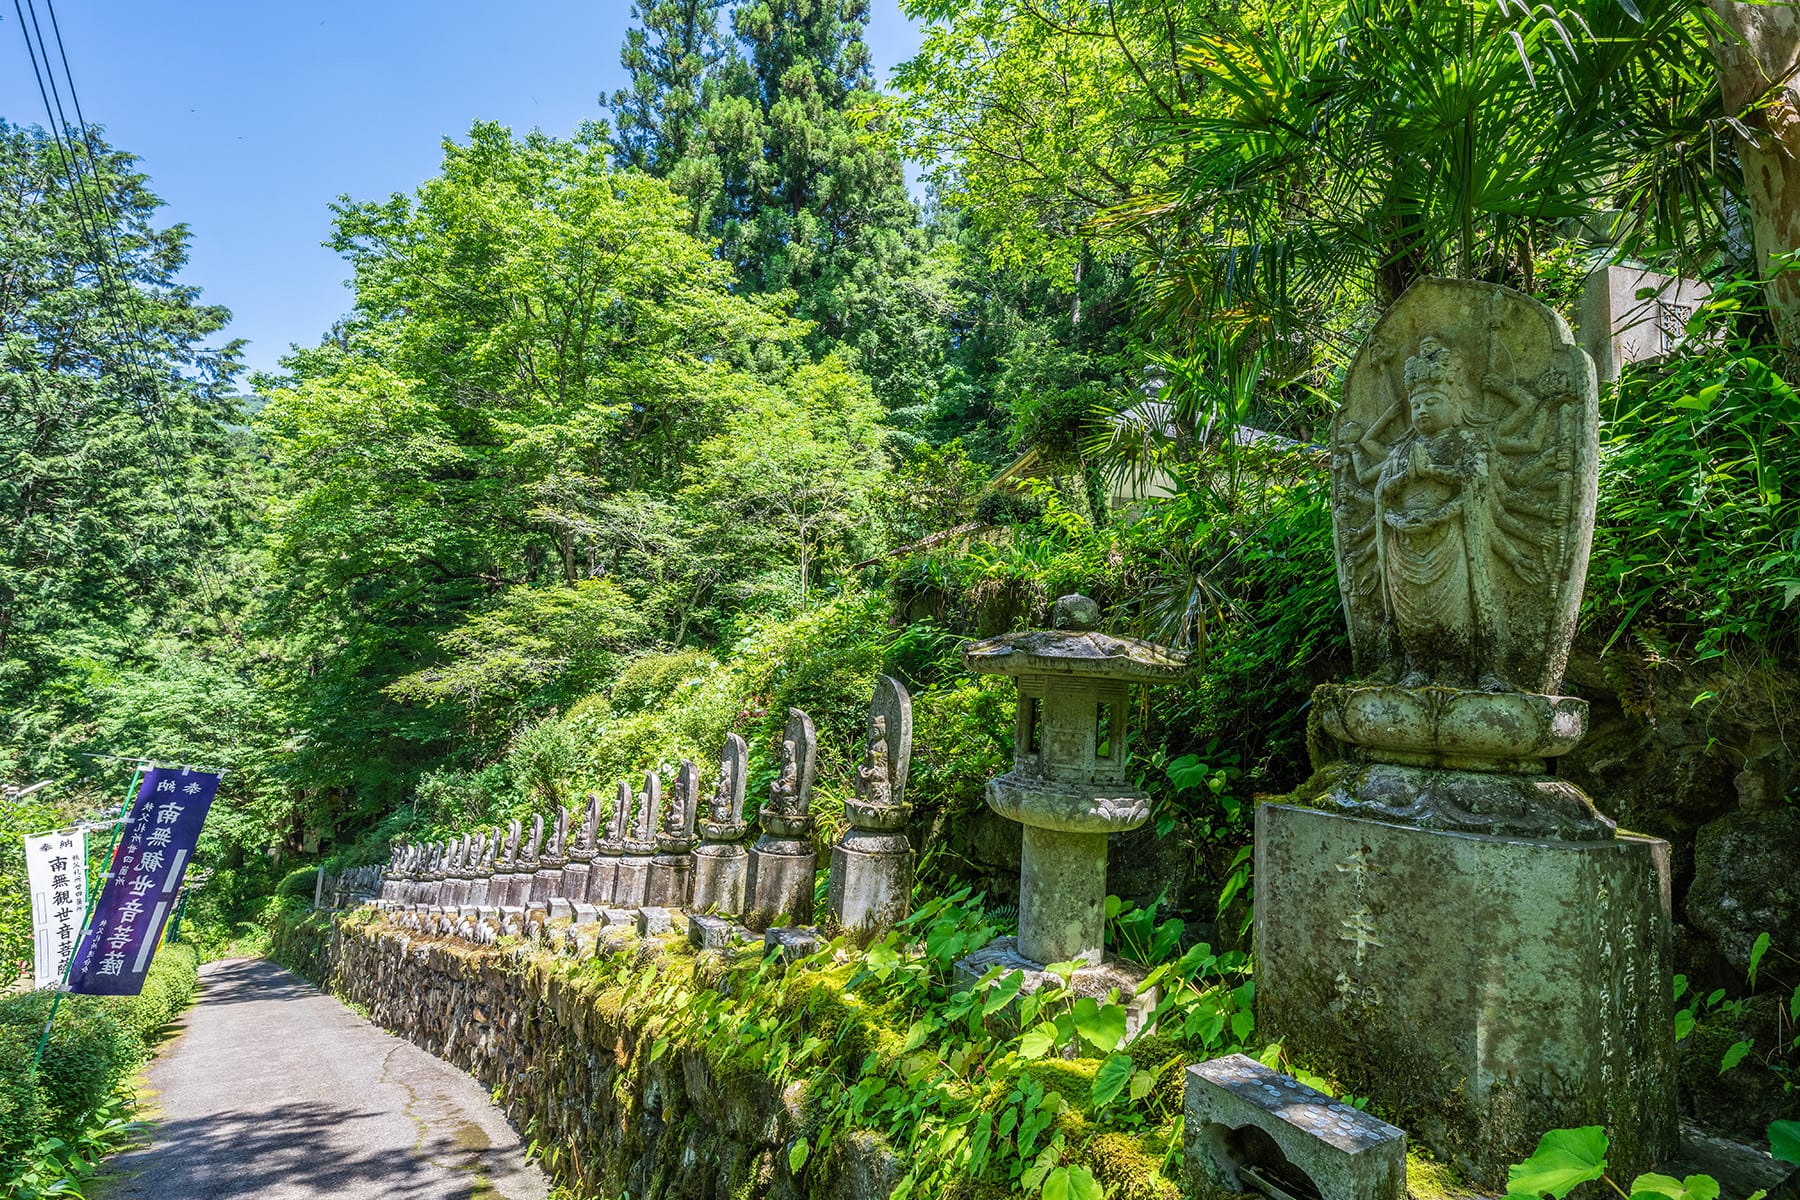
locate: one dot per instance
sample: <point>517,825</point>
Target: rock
<point>709,933</point>
<point>1745,883</point>
<point>652,921</point>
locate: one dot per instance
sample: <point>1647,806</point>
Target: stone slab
<point>1618,326</point>
<point>560,909</point>
<point>1343,1153</point>
<point>709,933</point>
<point>1479,989</point>
<point>790,943</point>
<point>586,914</point>
<point>624,917</point>
<point>653,920</point>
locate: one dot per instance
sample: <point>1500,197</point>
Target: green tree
<point>667,54</point>
<point>536,339</point>
<point>126,482</point>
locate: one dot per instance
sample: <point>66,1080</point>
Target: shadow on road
<point>278,1152</point>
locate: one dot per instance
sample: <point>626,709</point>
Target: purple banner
<point>154,850</point>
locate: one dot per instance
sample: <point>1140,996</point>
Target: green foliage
<point>1568,1158</point>
<point>1563,1159</point>
<point>1700,492</point>
<point>55,1122</point>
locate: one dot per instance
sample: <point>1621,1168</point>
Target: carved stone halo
<point>1463,479</point>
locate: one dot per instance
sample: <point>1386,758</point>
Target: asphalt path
<point>272,1089</point>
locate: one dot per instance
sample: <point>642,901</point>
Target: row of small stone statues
<point>653,854</point>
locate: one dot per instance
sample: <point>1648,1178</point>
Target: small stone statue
<point>671,871</point>
<point>590,825</point>
<point>536,845</point>
<point>559,837</point>
<point>872,864</point>
<point>782,861</point>
<point>721,863</point>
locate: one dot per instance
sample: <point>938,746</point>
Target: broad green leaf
<point>1784,1141</point>
<point>798,1155</point>
<point>1694,1187</point>
<point>1002,994</point>
<point>1111,1078</point>
<point>1072,1183</point>
<point>1141,1083</point>
<point>1038,1040</point>
<point>915,1036</point>
<point>883,958</point>
<point>1563,1159</point>
<point>1684,1023</point>
<point>1760,948</point>
<point>1100,1025</point>
<point>1734,1056</point>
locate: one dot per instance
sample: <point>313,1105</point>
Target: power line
<point>98,223</point>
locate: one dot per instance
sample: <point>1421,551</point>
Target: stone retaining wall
<point>574,1074</point>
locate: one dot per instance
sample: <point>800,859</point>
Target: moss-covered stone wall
<point>577,1075</point>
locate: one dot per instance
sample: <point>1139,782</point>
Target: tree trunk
<point>1762,53</point>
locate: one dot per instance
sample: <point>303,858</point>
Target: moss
<point>1129,1165</point>
<point>1428,1179</point>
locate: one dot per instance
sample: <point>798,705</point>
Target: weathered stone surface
<point>652,921</point>
<point>1068,785</point>
<point>1745,882</point>
<point>1482,989</point>
<point>782,863</point>
<point>1343,1153</point>
<point>1115,976</point>
<point>561,909</point>
<point>709,933</point>
<point>872,864</point>
<point>721,863</point>
<point>579,1073</point>
<point>1464,473</point>
<point>791,943</point>
<point>624,918</point>
<point>1620,324</point>
<point>586,914</point>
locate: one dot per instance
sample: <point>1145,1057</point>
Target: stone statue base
<point>602,874</point>
<point>720,872</point>
<point>575,882</point>
<point>779,890</point>
<point>545,883</point>
<point>871,880</point>
<point>671,880</point>
<point>1481,989</point>
<point>632,882</point>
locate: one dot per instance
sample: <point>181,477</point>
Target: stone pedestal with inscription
<point>1441,922</point>
<point>721,863</point>
<point>1481,989</point>
<point>872,864</point>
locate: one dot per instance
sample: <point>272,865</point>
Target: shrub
<point>95,1045</point>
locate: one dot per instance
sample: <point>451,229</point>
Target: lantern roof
<point>1074,647</point>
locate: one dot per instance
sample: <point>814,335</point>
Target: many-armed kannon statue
<point>1463,476</point>
<point>1458,520</point>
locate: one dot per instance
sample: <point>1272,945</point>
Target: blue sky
<point>251,116</point>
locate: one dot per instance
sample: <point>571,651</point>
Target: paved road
<point>271,1089</point>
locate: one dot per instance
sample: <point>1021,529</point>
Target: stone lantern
<point>1068,786</point>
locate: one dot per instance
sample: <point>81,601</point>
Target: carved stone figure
<point>872,864</point>
<point>672,870</point>
<point>1434,893</point>
<point>1463,484</point>
<point>721,864</point>
<point>782,861</point>
<point>633,878</point>
<point>1464,470</point>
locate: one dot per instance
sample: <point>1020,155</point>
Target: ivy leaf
<point>1695,1187</point>
<point>1734,1056</point>
<point>1141,1083</point>
<point>798,1155</point>
<point>1784,1141</point>
<point>1111,1078</point>
<point>1101,1025</point>
<point>1038,1040</point>
<point>1563,1159</point>
<point>1684,1023</point>
<point>1072,1183</point>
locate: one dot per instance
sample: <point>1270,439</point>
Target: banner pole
<point>93,899</point>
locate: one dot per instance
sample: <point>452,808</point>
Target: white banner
<point>56,867</point>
